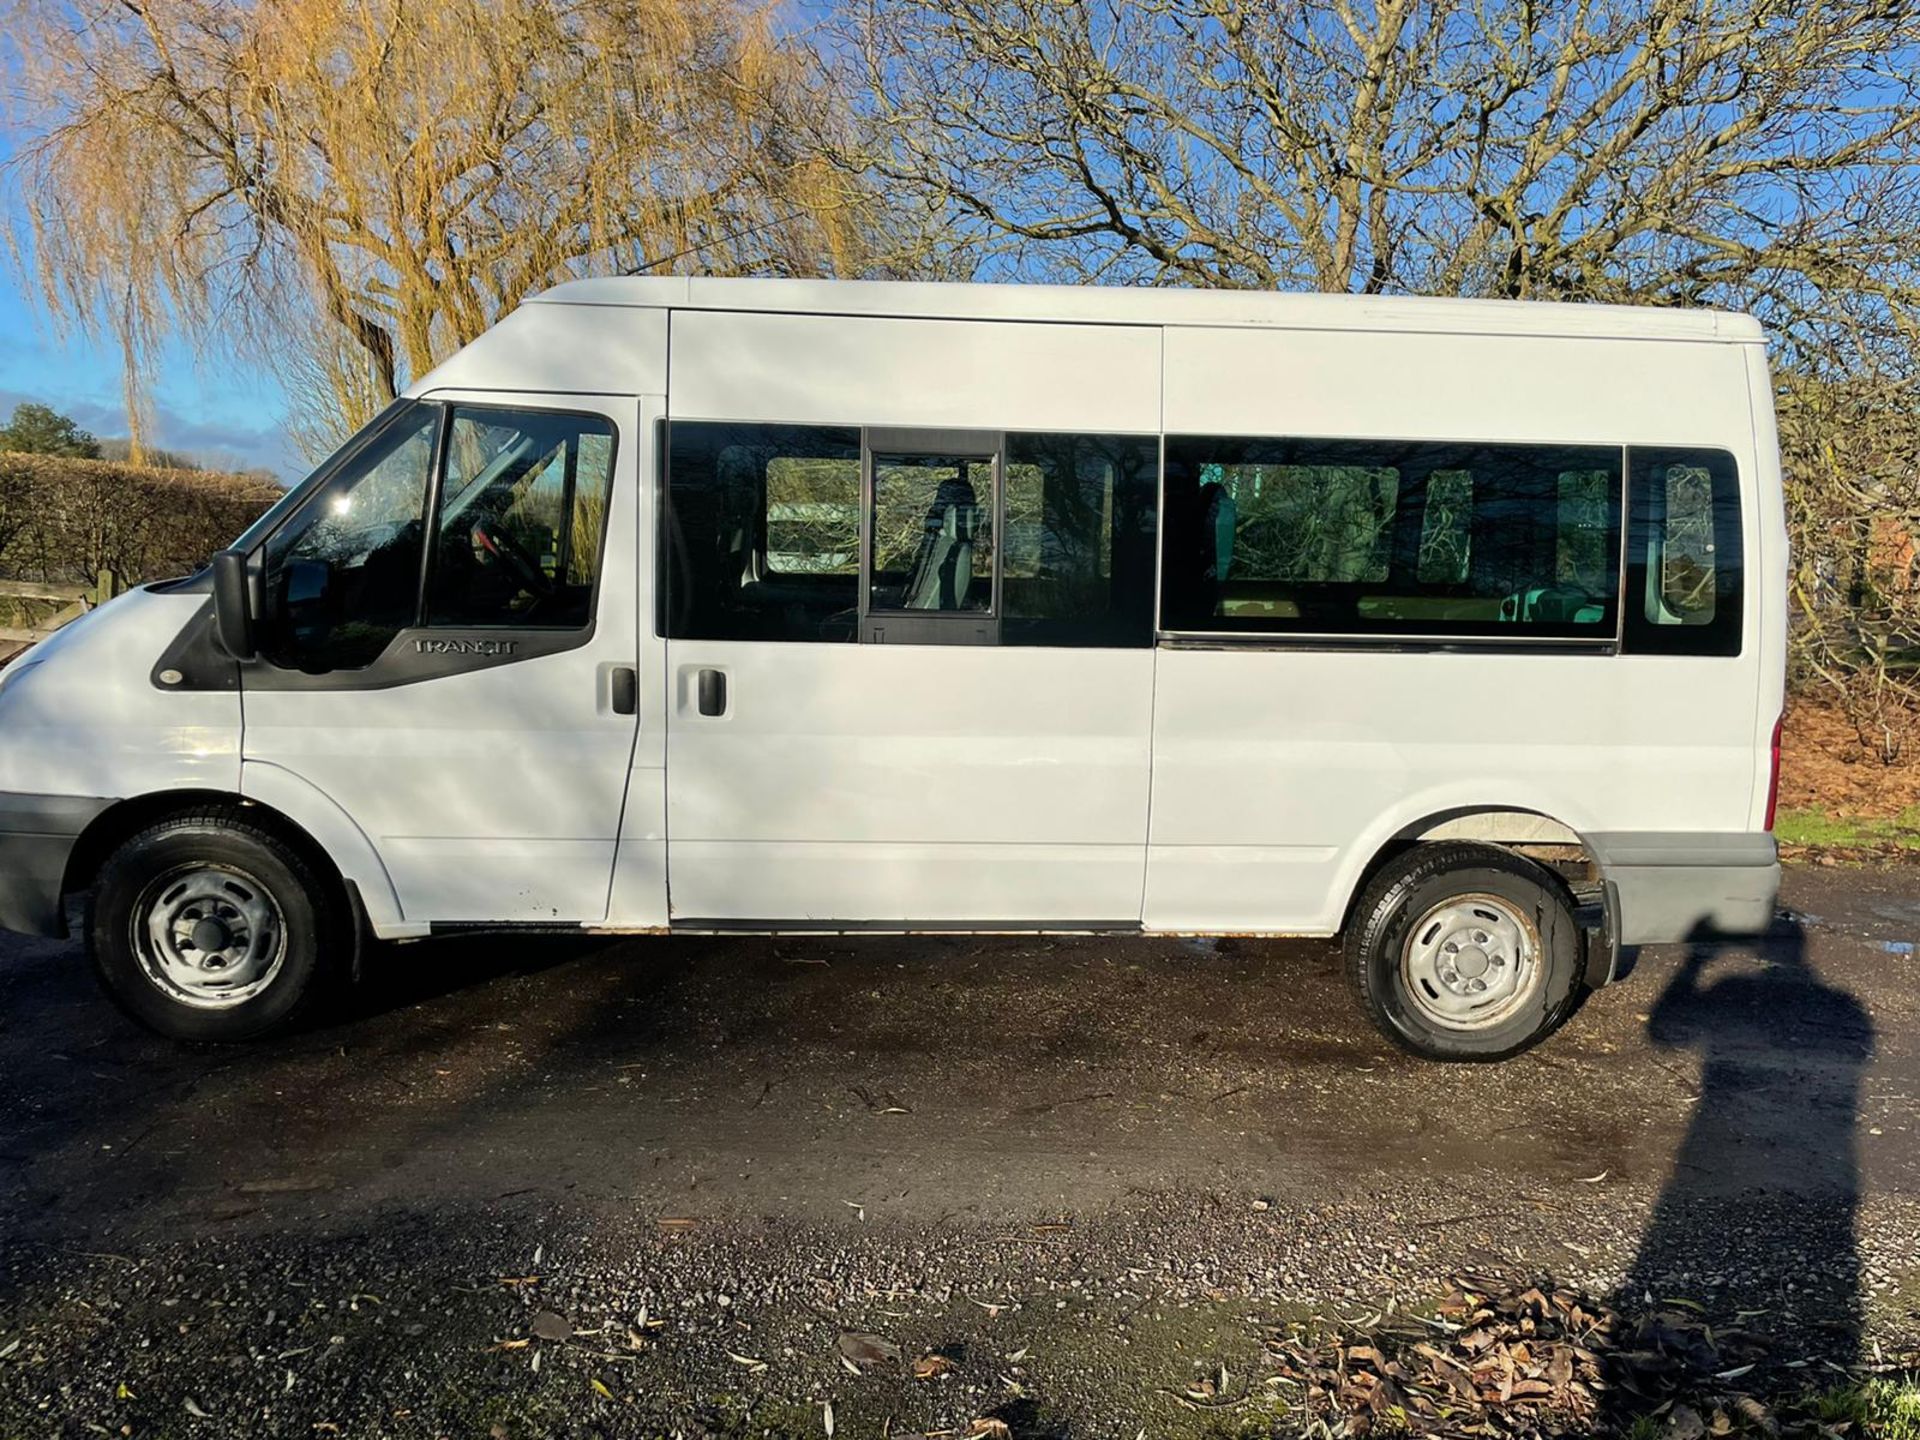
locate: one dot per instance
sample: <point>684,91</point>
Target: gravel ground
<point>1086,1173</point>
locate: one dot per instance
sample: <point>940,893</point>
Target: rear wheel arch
<point>1547,841</point>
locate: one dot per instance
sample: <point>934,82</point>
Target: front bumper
<point>1669,885</point>
<point>37,836</point>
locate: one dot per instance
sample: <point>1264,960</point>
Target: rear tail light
<point>1773,774</point>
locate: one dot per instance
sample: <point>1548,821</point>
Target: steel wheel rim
<point>209,936</point>
<point>1472,962</point>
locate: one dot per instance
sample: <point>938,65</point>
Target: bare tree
<point>1756,154</point>
<point>1753,152</point>
<point>350,189</point>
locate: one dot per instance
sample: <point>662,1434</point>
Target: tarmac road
<point>1081,1166</point>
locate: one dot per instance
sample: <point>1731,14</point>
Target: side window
<point>1684,562</point>
<point>762,537</point>
<point>343,574</point>
<point>932,533</point>
<point>523,507</point>
<point>1355,537</point>
<point>1077,567</point>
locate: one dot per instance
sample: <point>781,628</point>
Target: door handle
<point>624,686</point>
<point>713,692</point>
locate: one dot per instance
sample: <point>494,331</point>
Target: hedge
<point>64,520</point>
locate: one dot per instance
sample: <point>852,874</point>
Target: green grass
<point>1882,1409</point>
<point>1848,832</point>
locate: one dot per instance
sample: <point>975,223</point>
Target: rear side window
<point>1352,537</point>
<point>1684,560</point>
<point>763,532</point>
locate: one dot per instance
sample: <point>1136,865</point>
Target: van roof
<point>1124,305</point>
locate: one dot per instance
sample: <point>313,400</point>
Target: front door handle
<point>713,692</point>
<point>624,686</point>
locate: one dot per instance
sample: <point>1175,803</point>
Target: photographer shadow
<point>1754,1232</point>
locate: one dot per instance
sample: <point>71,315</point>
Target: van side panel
<point>1766,499</point>
<point>882,783</point>
<point>832,370</point>
<point>1280,771</point>
<point>563,350</point>
<point>85,723</point>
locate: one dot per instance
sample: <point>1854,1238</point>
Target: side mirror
<point>232,604</point>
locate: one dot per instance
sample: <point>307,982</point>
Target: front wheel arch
<point>124,819</point>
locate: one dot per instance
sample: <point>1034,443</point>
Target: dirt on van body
<point>909,1186</point>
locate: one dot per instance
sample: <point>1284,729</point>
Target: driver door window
<point>512,538</point>
<point>522,510</point>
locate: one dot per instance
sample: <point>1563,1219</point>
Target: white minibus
<point>1455,627</point>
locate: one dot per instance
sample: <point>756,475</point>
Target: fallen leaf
<point>863,1349</point>
<point>549,1326</point>
<point>193,1409</point>
<point>826,1417</point>
<point>1591,1179</point>
<point>677,1222</point>
<point>601,1390</point>
<point>747,1360</point>
<point>987,1428</point>
<point>931,1367</point>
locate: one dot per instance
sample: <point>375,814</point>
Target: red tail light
<point>1773,774</point>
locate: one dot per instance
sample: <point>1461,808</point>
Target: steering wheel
<point>490,537</point>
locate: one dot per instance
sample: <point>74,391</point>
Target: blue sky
<point>208,405</point>
<point>223,412</point>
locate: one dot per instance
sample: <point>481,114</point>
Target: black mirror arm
<point>233,604</point>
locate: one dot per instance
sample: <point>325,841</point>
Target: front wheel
<point>210,927</point>
<point>1465,952</point>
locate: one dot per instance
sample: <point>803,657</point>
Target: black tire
<point>301,936</point>
<point>1413,887</point>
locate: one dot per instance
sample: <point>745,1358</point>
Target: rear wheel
<point>211,927</point>
<point>1465,952</point>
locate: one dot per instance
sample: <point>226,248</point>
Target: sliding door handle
<point>624,688</point>
<point>713,692</point>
